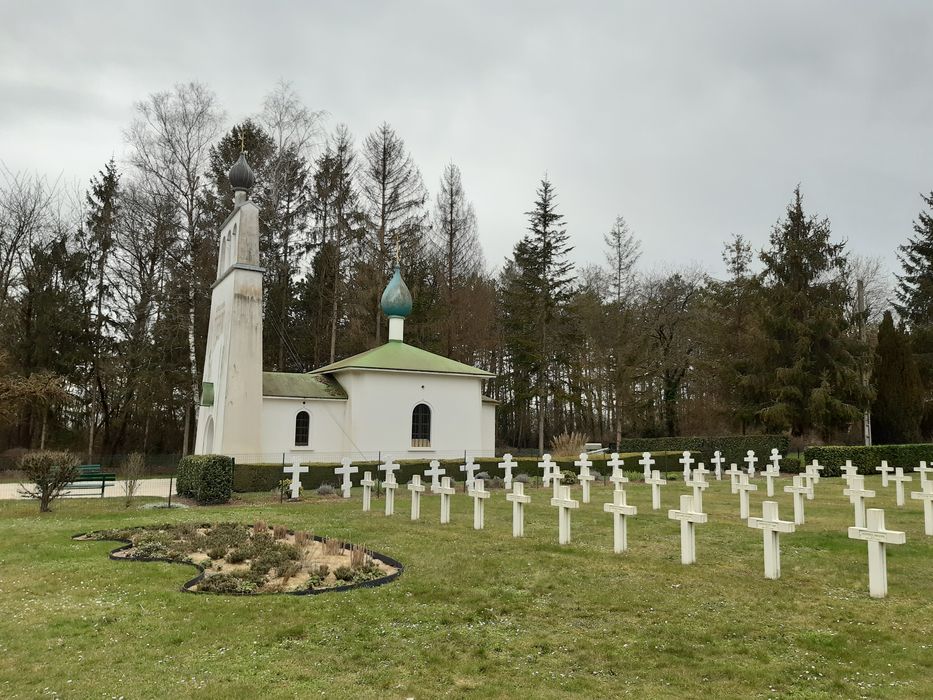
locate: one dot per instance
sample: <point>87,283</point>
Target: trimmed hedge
<point>265,477</point>
<point>208,479</point>
<point>866,458</point>
<point>734,448</point>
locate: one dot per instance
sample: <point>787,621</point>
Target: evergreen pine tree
<point>898,404</point>
<point>809,372</point>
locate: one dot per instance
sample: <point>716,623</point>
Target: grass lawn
<point>477,614</point>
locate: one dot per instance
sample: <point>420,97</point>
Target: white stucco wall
<point>327,442</point>
<point>489,427</point>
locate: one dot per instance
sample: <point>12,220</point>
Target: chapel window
<point>302,428</point>
<point>421,426</point>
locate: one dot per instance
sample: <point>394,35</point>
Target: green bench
<point>91,477</point>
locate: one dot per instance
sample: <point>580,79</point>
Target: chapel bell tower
<point>229,418</point>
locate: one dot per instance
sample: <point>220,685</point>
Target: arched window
<point>421,426</point>
<point>302,428</point>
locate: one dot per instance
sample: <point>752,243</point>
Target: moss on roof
<point>399,356</point>
<point>301,385</point>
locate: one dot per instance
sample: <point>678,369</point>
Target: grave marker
<point>296,470</point>
<point>390,484</point>
<point>519,499</point>
<point>507,465</point>
<point>717,461</point>
<point>435,472</point>
<point>899,478</point>
<point>687,461</point>
<point>479,496</point>
<point>923,470</point>
<point>689,518</point>
<point>771,527</point>
<point>734,473</point>
<point>618,478</point>
<point>345,471</point>
<point>800,489</point>
<point>620,511</point>
<point>850,471</point>
<point>470,468</point>
<point>744,488</point>
<point>773,470</point>
<point>926,495</point>
<point>878,539</point>
<point>565,505</point>
<point>550,470</point>
<point>367,484</point>
<point>389,467</point>
<point>584,477</point>
<point>751,460</point>
<point>416,488</point>
<point>616,465</point>
<point>885,470</point>
<point>699,484</point>
<point>857,494</point>
<point>446,490</point>
<point>656,483</point>
<point>646,461</point>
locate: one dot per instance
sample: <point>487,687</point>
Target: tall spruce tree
<point>809,367</point>
<point>898,406</point>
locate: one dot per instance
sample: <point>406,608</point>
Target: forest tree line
<point>105,296</point>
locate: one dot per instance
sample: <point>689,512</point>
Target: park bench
<point>90,476</point>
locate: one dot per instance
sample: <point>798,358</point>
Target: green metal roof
<point>301,385</point>
<point>399,356</point>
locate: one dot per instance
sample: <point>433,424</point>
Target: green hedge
<point>208,479</point>
<point>734,448</point>
<point>265,477</point>
<point>866,458</point>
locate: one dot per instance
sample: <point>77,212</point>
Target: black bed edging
<point>187,586</point>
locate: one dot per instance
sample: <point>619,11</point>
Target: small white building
<point>394,400</point>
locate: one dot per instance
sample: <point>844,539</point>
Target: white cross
<point>618,476</point>
<point>800,491</point>
<point>857,494</point>
<point>717,461</point>
<point>687,461</point>
<point>885,470</point>
<point>550,471</point>
<point>507,465</point>
<point>295,470</point>
<point>926,495</point>
<point>773,470</point>
<point>656,483</point>
<point>646,463</point>
<point>688,518</point>
<point>751,460</point>
<point>389,467</point>
<point>345,471</point>
<point>620,511</point>
<point>878,539</point>
<point>699,484</point>
<point>390,484</point>
<point>470,469</point>
<point>923,469</point>
<point>899,478</point>
<point>701,470</point>
<point>744,488</point>
<point>435,472</point>
<point>616,464</point>
<point>479,496</point>
<point>367,484</point>
<point>850,471</point>
<point>565,504</point>
<point>584,477</point>
<point>772,527</point>
<point>775,460</point>
<point>812,470</point>
<point>416,488</point>
<point>446,491</point>
<point>519,499</point>
<point>734,473</point>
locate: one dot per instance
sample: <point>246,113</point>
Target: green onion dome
<point>396,299</point>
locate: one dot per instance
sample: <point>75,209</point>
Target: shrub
<point>236,556</point>
<point>217,552</point>
<point>49,474</point>
<point>866,458</point>
<point>483,475</point>
<point>343,573</point>
<point>279,532</point>
<point>208,479</point>
<point>133,471</point>
<point>733,447</point>
<point>260,526</point>
<point>325,490</point>
<point>568,478</point>
<point>568,444</point>
<point>230,584</point>
<point>522,478</point>
<point>302,538</point>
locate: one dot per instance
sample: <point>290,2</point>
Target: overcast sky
<point>693,120</point>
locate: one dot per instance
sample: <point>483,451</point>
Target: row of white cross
<point>869,525</point>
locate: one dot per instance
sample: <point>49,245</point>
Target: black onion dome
<point>241,175</point>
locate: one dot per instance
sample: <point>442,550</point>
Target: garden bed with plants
<point>237,559</point>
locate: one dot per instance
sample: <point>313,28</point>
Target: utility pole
<point>860,301</point>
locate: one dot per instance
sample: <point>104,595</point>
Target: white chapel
<point>393,400</point>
